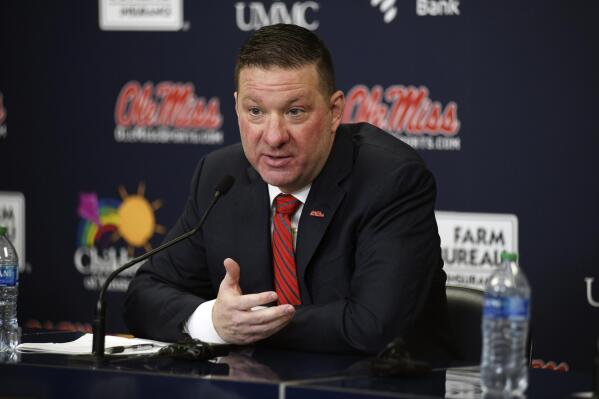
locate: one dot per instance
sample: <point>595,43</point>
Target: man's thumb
<point>232,277</point>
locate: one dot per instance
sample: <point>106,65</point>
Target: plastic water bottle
<point>9,282</point>
<point>596,372</point>
<point>504,367</point>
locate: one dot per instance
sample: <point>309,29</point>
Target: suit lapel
<point>322,203</point>
<point>254,233</point>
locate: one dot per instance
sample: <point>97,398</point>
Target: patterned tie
<point>283,256</point>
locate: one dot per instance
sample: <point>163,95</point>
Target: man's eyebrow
<point>299,98</point>
<point>248,98</point>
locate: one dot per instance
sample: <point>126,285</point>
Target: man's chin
<point>277,179</point>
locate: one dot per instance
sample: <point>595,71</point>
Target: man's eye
<point>254,111</point>
<point>295,111</point>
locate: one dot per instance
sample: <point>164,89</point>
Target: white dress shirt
<point>200,325</point>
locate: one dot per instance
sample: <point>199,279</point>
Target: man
<point>346,264</point>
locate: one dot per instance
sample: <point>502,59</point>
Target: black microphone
<point>99,324</point>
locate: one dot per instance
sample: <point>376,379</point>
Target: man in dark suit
<point>347,262</point>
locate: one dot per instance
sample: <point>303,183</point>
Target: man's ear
<point>337,104</point>
<point>235,97</point>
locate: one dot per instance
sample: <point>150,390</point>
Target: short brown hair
<point>287,46</point>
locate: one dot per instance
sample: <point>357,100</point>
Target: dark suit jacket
<point>369,270</point>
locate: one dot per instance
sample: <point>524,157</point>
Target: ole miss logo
<point>167,112</point>
<point>406,112</point>
<point>166,104</point>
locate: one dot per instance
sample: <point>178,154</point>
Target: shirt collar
<point>301,194</point>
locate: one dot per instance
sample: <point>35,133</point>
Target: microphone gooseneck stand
<point>99,323</point>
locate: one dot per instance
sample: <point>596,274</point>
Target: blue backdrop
<point>101,130</point>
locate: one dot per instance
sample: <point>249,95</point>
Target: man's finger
<point>232,276</point>
<point>268,315</point>
<point>261,331</point>
<point>252,326</point>
<point>248,301</point>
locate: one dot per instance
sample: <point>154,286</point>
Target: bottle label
<point>513,308</point>
<point>9,276</point>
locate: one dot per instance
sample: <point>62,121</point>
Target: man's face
<point>287,124</point>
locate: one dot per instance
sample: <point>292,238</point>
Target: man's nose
<point>275,132</point>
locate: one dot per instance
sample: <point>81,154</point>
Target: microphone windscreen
<point>224,184</point>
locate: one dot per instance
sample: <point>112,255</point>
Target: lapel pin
<point>317,214</point>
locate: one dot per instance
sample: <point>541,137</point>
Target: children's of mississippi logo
<point>109,232</point>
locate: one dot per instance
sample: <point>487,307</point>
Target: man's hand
<point>232,314</point>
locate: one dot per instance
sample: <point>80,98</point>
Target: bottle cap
<point>509,256</point>
<point>2,230</point>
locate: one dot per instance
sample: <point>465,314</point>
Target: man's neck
<point>301,194</point>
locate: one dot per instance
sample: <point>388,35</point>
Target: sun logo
<point>137,223</point>
<point>105,221</point>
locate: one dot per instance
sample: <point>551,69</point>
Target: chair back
<point>465,307</point>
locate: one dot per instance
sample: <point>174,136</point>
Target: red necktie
<point>286,285</point>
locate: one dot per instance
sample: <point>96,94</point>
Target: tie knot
<point>286,204</point>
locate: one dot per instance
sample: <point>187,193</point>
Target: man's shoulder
<point>227,152</point>
<point>381,164</point>
<point>230,156</point>
<point>229,160</point>
<point>376,146</point>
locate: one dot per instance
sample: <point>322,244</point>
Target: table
<point>247,373</point>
